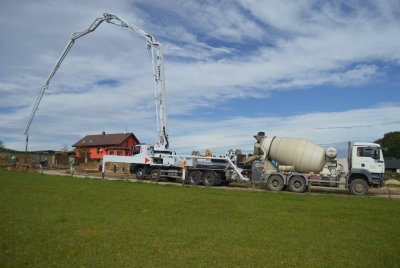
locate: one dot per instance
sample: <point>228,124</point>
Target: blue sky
<point>327,71</point>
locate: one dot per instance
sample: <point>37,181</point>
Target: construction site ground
<point>121,172</point>
<point>391,189</point>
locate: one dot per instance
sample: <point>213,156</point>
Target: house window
<point>119,153</point>
<point>111,152</point>
<point>99,150</point>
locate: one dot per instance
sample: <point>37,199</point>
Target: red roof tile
<point>104,140</point>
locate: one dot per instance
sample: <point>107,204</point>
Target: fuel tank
<point>302,154</point>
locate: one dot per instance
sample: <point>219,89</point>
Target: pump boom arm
<point>159,80</point>
<point>158,74</point>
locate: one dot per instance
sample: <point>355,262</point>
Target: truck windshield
<point>373,152</point>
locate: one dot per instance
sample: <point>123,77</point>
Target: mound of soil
<point>31,164</point>
<point>94,167</point>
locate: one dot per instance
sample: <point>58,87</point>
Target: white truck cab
<point>366,164</point>
<point>368,156</point>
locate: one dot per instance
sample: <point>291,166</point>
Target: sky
<point>326,71</point>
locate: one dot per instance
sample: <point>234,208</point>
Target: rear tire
<point>155,174</point>
<point>297,184</point>
<point>358,187</point>
<point>210,178</point>
<point>275,183</point>
<point>194,177</point>
<point>139,173</point>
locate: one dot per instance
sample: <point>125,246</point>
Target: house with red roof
<point>95,146</point>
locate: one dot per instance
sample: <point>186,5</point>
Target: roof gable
<point>114,139</point>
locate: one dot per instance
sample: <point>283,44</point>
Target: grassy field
<point>63,221</point>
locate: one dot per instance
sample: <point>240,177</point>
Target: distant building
<point>95,146</point>
<point>392,165</point>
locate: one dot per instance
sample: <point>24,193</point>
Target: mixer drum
<point>304,155</point>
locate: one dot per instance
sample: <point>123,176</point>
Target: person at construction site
<point>14,160</point>
<point>43,163</point>
<point>101,165</point>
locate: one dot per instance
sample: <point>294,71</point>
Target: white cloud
<point>211,19</point>
<point>322,128</point>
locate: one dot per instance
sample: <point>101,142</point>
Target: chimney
<point>104,133</point>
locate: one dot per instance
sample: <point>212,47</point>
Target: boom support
<point>158,74</point>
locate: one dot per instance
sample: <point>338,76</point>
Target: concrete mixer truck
<point>297,164</point>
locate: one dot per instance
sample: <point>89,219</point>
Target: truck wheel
<point>275,183</point>
<point>358,187</point>
<point>210,178</point>
<point>297,184</point>
<point>139,174</point>
<point>155,174</point>
<point>194,177</point>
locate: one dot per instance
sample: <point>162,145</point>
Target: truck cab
<point>366,163</point>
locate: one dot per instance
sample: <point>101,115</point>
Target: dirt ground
<point>389,191</point>
<point>32,165</point>
<point>119,169</point>
<point>5,162</point>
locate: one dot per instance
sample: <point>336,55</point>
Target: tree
<point>64,148</point>
<point>1,145</point>
<point>390,144</point>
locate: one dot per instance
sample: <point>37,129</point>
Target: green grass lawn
<point>63,221</point>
